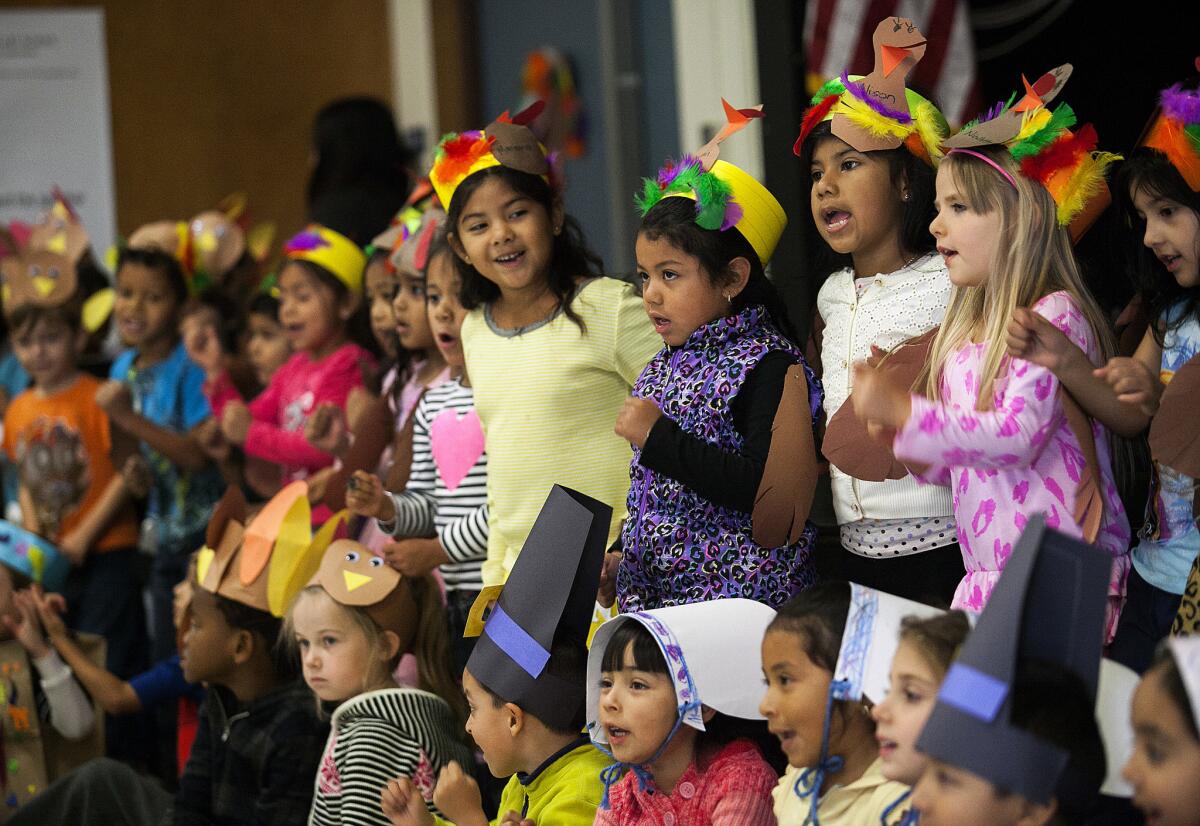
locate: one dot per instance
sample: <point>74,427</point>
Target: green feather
<point>831,87</point>
<point>1061,119</point>
<point>650,195</point>
<point>712,196</point>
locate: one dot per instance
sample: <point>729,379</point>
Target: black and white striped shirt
<point>446,496</point>
<point>375,738</point>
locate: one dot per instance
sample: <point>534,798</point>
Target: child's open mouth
<point>661,323</point>
<point>785,738</point>
<point>1171,262</point>
<point>446,340</point>
<point>947,254</point>
<point>835,219</point>
<point>616,734</point>
<point>510,259</point>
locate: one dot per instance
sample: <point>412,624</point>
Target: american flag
<point>837,36</point>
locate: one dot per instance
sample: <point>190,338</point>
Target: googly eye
<point>376,562</point>
<point>52,272</point>
<point>35,270</point>
<point>351,556</point>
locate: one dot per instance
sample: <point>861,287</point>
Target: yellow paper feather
<point>1083,185</point>
<point>866,118</point>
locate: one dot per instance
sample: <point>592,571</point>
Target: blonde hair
<point>1033,260</point>
<point>429,642</point>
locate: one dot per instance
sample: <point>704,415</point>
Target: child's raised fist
<point>457,795</point>
<point>325,429</point>
<point>403,805</point>
<point>202,343</point>
<point>1133,382</point>
<point>365,497</point>
<point>635,420</point>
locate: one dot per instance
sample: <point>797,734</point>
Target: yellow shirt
<point>860,803</point>
<point>548,398</point>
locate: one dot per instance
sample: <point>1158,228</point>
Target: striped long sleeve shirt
<point>446,494</point>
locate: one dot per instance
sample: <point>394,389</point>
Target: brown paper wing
<point>517,148</point>
<point>1174,432</point>
<point>789,478</point>
<point>373,431</point>
<point>1005,126</point>
<point>847,444</point>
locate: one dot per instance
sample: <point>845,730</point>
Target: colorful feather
<point>715,207</point>
<point>931,129</point>
<point>457,153</point>
<point>1083,185</point>
<point>1039,129</point>
<point>868,118</point>
<point>1181,104</point>
<point>859,93</point>
<point>1062,154</point>
<point>833,87</point>
<point>1169,137</point>
<point>816,114</point>
<point>305,242</point>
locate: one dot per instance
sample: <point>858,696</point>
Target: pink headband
<point>1008,177</point>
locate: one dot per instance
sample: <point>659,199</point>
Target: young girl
<point>155,394</point>
<point>994,427</point>
<point>552,350</point>
<point>704,408</point>
<point>320,287</point>
<point>871,206</point>
<point>835,772</point>
<point>670,694</point>
<point>1158,190</point>
<point>267,345</point>
<point>440,518</point>
<point>1166,758</point>
<point>351,627</point>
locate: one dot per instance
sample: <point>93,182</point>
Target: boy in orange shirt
<point>60,440</point>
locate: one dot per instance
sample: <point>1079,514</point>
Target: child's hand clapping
<point>202,343</point>
<point>1032,337</point>
<point>236,421</point>
<point>878,400</point>
<point>636,419</point>
<point>403,805</point>
<point>325,429</point>
<point>114,398</point>
<point>1133,382</point>
<point>365,497</point>
<point>25,627</point>
<point>415,556</point>
<point>457,795</point>
<point>50,608</point>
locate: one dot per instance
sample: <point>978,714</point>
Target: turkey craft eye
<point>376,562</point>
<point>35,271</point>
<point>352,556</point>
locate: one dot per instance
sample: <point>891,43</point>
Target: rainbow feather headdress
<point>877,111</point>
<point>1175,131</point>
<point>726,197</point>
<point>1065,162</point>
<point>507,141</point>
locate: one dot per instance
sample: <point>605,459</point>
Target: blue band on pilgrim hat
<point>516,642</point>
<point>970,690</point>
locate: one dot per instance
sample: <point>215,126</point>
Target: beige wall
<point>220,95</point>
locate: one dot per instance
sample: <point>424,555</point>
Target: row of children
<point>543,354</point>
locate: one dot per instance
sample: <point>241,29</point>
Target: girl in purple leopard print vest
<point>700,419</point>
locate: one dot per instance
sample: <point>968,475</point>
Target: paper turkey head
<point>218,243</point>
<point>60,231</point>
<point>352,575</point>
<point>38,277</point>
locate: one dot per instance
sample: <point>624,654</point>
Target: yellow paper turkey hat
<point>726,196</point>
<point>332,251</point>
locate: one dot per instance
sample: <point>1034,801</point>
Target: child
<point>64,449</point>
<point>259,741</point>
<point>998,428</point>
<point>871,202</point>
<point>320,287</point>
<point>267,345</point>
<point>440,518</point>
<point>703,411</point>
<point>668,691</point>
<point>1166,758</point>
<point>552,350</point>
<point>154,394</point>
<point>351,628</point>
<point>1013,737</point>
<point>835,773</point>
<point>1157,189</point>
<point>526,688</point>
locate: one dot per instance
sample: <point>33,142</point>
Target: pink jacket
<point>734,789</point>
<point>295,391</point>
<point>1014,460</point>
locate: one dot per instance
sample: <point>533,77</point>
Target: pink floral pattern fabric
<point>1015,460</point>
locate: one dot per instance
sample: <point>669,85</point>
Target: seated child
<point>1013,736</point>
<point>351,627</point>
<point>824,724</point>
<point>440,519</point>
<point>1165,763</point>
<point>669,691</point>
<point>528,720</point>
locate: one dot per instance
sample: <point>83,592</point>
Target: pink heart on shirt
<point>457,443</point>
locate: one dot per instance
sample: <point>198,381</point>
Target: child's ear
<point>558,214</point>
<point>347,305</point>
<point>456,245</point>
<point>81,340</point>
<point>243,645</point>
<point>737,277</point>
<point>1037,814</point>
<point>516,719</point>
<point>391,645</point>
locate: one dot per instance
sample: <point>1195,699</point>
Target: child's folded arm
<point>71,711</point>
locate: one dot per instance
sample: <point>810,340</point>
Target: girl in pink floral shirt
<point>993,428</point>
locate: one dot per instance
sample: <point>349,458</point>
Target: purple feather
<point>1181,104</point>
<point>305,242</point>
<point>882,108</point>
<point>673,169</point>
<point>733,214</point>
<point>992,113</point>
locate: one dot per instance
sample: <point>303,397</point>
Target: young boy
<point>259,742</point>
<point>526,718</point>
<point>64,448</point>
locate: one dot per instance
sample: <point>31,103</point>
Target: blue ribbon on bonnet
<point>808,784</point>
<point>911,816</point>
